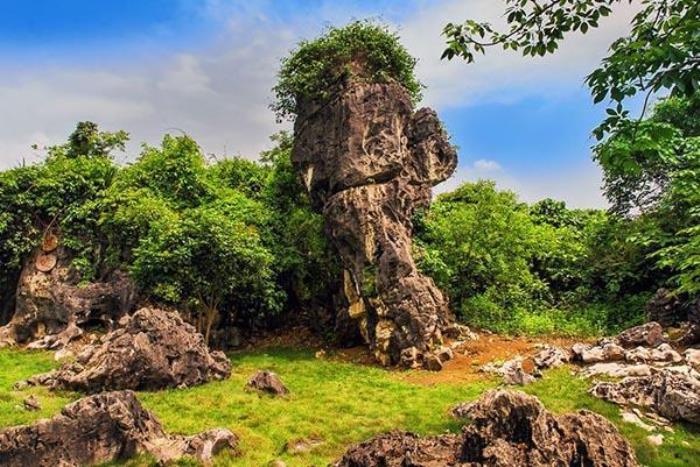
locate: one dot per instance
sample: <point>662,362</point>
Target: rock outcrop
<point>151,349</point>
<point>369,161</point>
<point>672,394</point>
<point>507,429</point>
<point>102,428</point>
<point>52,308</point>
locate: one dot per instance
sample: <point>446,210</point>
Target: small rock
<point>604,351</point>
<point>648,335</point>
<point>432,362</point>
<point>21,385</point>
<point>277,463</point>
<point>692,357</point>
<point>302,445</point>
<point>320,354</point>
<point>31,403</point>
<point>63,354</point>
<point>444,354</point>
<point>656,440</point>
<point>630,417</point>
<point>616,370</point>
<point>518,371</point>
<point>551,357</point>
<point>412,358</point>
<point>268,382</point>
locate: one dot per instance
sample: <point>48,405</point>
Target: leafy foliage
<point>361,49</point>
<point>661,52</point>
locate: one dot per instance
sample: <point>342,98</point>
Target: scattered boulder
<point>102,428</point>
<point>647,335</point>
<point>616,370</point>
<point>52,308</point>
<point>507,429</point>
<point>268,382</point>
<point>401,448</point>
<point>152,349</point>
<point>604,351</point>
<point>520,371</point>
<point>368,161</point>
<point>690,335</point>
<point>514,429</point>
<point>655,440</point>
<point>672,394</point>
<point>665,308</point>
<point>634,419</point>
<point>662,353</point>
<point>551,357</point>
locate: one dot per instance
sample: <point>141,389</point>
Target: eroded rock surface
<point>152,349</point>
<point>672,394</point>
<point>507,429</point>
<point>52,309</point>
<point>369,161</point>
<point>103,428</point>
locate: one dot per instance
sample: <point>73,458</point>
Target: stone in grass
<point>303,445</point>
<point>31,403</point>
<point>103,428</point>
<point>267,382</point>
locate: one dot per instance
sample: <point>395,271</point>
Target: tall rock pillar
<point>368,161</point>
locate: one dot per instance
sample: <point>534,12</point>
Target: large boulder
<point>648,335</point>
<point>672,394</point>
<point>103,428</point>
<point>514,429</point>
<point>52,307</point>
<point>507,429</point>
<point>152,349</point>
<point>267,382</point>
<point>369,161</point>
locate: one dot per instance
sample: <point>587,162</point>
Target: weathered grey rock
<point>616,370</point>
<point>52,307</point>
<point>368,161</point>
<point>662,353</point>
<point>519,370</point>
<point>604,351</point>
<point>152,349</point>
<point>647,335</point>
<point>507,429</point>
<point>268,382</point>
<point>671,394</point>
<point>102,428</point>
<point>692,358</point>
<point>551,357</point>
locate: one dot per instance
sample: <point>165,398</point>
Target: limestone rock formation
<point>400,448</point>
<point>52,308</point>
<point>102,428</point>
<point>268,382</point>
<point>649,335</point>
<point>369,161</point>
<point>152,349</point>
<point>507,429</point>
<point>670,393</point>
<point>512,428</point>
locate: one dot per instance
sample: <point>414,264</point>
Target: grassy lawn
<point>340,403</point>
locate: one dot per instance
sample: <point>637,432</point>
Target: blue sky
<point>206,67</point>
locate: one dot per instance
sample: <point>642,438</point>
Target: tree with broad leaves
<point>662,52</point>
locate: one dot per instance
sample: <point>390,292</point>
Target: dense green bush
<point>362,49</point>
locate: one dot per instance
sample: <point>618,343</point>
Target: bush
<point>361,49</point>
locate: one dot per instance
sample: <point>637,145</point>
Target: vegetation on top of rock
<point>361,49</point>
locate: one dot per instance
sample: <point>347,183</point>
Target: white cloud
<point>220,94</point>
<point>487,165</point>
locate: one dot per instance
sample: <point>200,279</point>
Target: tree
<point>205,260</point>
<point>661,52</point>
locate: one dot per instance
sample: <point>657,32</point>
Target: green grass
<point>341,403</point>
